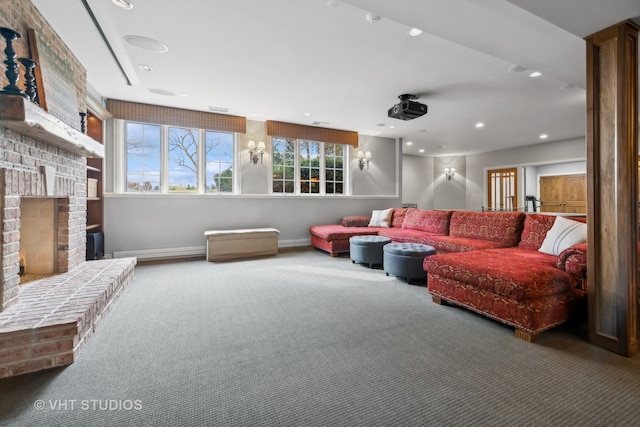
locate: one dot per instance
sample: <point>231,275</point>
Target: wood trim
<point>311,133</point>
<point>37,71</point>
<point>612,187</point>
<point>157,114</point>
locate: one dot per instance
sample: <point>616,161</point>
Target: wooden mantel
<point>23,116</point>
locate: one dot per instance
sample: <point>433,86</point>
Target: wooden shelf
<point>92,226</point>
<point>25,117</point>
<point>93,199</point>
<point>92,169</point>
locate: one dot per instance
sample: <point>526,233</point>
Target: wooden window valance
<point>311,133</point>
<point>146,113</point>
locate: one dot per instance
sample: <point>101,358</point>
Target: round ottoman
<point>405,259</point>
<point>367,249</point>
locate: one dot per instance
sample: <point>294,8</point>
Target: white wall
<point>417,181</point>
<point>157,225</point>
<point>567,151</point>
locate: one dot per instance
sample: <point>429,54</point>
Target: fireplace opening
<point>38,238</point>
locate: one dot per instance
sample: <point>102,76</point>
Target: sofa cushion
<point>398,215</point>
<point>338,232</point>
<point>436,222</point>
<point>500,227</point>
<point>511,272</point>
<point>563,234</point>
<point>535,230</point>
<point>356,221</point>
<point>441,243</point>
<point>381,218</point>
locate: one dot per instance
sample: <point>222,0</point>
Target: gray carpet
<point>304,339</point>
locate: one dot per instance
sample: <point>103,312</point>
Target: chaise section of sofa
<point>520,286</point>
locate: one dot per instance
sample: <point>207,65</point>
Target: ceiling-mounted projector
<point>407,109</point>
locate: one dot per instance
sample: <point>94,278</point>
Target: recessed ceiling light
<point>414,32</point>
<point>184,95</point>
<point>307,114</point>
<point>381,125</point>
<point>535,74</point>
<point>421,150</point>
<point>409,143</point>
<point>161,92</point>
<point>392,127</point>
<point>144,67</point>
<point>544,136</point>
<point>123,4</point>
<point>479,125</point>
<point>146,43</point>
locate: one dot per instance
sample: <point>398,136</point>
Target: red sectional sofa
<point>487,262</point>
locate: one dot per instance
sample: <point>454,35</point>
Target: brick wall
<point>20,15</point>
<point>23,159</point>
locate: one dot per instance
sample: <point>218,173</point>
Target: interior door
<point>503,189</point>
<point>575,193</point>
<point>563,193</point>
<point>551,194</point>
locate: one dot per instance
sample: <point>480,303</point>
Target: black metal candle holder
<point>30,79</point>
<point>83,122</point>
<point>12,66</point>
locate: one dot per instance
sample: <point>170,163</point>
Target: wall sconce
<point>256,153</point>
<point>448,173</point>
<point>364,158</point>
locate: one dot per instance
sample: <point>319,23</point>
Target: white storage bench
<point>227,245</point>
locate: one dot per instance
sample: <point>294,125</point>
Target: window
<point>284,165</point>
<point>307,167</point>
<point>143,157</point>
<point>168,159</point>
<point>183,159</point>
<point>219,160</point>
<point>334,168</point>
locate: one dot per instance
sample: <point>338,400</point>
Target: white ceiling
<point>280,59</point>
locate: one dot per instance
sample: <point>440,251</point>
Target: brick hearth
<point>54,316</point>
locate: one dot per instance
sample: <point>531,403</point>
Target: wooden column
<point>612,187</point>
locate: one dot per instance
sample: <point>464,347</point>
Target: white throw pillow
<point>563,234</point>
<point>381,218</point>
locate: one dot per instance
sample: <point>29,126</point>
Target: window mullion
<point>164,159</point>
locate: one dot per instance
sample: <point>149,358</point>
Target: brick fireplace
<point>43,198</point>
<point>33,169</point>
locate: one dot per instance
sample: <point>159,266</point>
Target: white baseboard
<point>191,251</point>
<point>187,251</point>
<point>294,243</point>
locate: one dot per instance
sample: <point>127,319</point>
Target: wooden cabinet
<point>563,193</point>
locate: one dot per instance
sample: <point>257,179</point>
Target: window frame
<point>120,178</point>
<point>346,189</point>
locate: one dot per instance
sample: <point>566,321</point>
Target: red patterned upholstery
<point>530,315</point>
<point>500,227</point>
<point>334,238</point>
<point>436,222</point>
<point>535,230</point>
<point>356,221</point>
<point>573,260</point>
<point>511,272</point>
<point>442,244</point>
<point>398,216</point>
